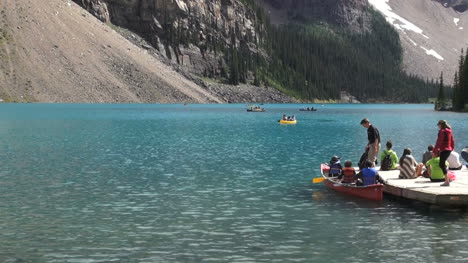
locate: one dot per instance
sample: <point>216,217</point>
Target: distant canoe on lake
<point>308,109</point>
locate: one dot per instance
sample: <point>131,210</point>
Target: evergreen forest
<point>318,61</point>
<point>460,87</point>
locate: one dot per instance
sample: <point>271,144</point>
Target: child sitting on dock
<point>388,158</point>
<point>434,172</point>
<point>348,174</point>
<point>454,161</point>
<point>368,175</point>
<point>409,168</point>
<point>335,166</point>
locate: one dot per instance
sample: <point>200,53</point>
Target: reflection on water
<point>208,183</point>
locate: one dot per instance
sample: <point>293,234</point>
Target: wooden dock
<point>422,189</point>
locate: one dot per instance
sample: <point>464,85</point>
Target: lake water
<point>210,183</point>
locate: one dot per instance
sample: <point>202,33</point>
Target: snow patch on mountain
<point>431,34</point>
<point>397,21</point>
<point>432,52</point>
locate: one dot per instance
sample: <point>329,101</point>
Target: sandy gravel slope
<point>54,51</point>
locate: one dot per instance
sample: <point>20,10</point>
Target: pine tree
<point>459,83</point>
<point>464,86</point>
<point>441,103</point>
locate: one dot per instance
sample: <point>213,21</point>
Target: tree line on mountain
<point>319,61</point>
<point>315,61</point>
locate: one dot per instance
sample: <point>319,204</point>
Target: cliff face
<point>458,5</point>
<point>184,31</point>
<point>55,51</point>
<point>350,14</point>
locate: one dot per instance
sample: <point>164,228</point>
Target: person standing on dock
<point>444,146</point>
<point>373,138</point>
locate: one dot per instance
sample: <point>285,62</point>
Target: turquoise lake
<point>210,183</point>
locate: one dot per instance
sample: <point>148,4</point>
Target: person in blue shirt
<point>335,166</point>
<point>368,175</point>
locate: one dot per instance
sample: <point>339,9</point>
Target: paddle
<point>317,180</point>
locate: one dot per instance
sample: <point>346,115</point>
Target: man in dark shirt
<point>373,137</point>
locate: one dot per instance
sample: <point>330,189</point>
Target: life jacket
<point>368,176</point>
<point>335,169</point>
<point>348,175</point>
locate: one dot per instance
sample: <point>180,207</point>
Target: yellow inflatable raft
<point>287,122</point>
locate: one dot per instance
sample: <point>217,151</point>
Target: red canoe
<point>372,192</point>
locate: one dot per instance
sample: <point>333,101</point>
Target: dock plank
<point>422,189</point>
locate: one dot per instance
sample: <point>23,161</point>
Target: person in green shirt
<point>435,172</point>
<point>391,162</point>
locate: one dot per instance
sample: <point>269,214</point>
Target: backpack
<point>362,160</point>
<point>386,162</point>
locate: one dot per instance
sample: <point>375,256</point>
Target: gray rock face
<point>170,25</point>
<point>434,34</point>
<point>350,14</point>
<point>458,5</point>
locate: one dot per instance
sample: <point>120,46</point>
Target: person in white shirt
<point>454,161</point>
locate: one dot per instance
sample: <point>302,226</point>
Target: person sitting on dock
<point>426,157</point>
<point>348,174</point>
<point>388,158</point>
<point>335,166</point>
<point>434,172</point>
<point>428,154</point>
<point>409,168</point>
<point>454,161</point>
<point>464,155</point>
<point>368,175</point>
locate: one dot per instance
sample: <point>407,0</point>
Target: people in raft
<point>348,173</point>
<point>454,161</point>
<point>393,157</point>
<point>434,172</point>
<point>288,118</point>
<point>335,167</point>
<point>409,168</point>
<point>444,145</point>
<point>368,175</point>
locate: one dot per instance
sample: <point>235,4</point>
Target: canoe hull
<point>371,192</point>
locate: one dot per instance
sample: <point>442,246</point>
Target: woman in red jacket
<point>444,145</point>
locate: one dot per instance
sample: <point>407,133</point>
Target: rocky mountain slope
<point>432,33</point>
<point>159,51</point>
<point>55,51</point>
<point>350,14</point>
